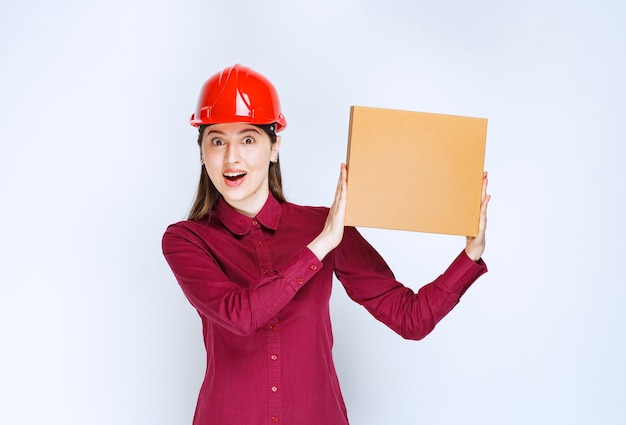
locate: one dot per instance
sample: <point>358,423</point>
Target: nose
<point>231,156</point>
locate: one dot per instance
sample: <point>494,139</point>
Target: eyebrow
<point>245,130</point>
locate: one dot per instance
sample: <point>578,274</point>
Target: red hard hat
<point>238,94</point>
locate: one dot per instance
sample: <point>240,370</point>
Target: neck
<point>251,207</point>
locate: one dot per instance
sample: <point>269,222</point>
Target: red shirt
<point>263,298</point>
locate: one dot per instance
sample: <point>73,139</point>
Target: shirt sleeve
<point>369,281</point>
<point>241,309</point>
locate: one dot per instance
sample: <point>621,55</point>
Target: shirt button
<point>260,243</point>
<point>274,389</point>
<point>299,280</point>
<point>254,222</point>
<point>274,418</point>
<point>313,267</point>
<point>273,357</point>
<point>273,327</point>
<point>266,272</point>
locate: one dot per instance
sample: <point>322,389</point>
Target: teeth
<point>234,176</point>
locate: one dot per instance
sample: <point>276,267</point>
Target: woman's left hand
<point>475,246</point>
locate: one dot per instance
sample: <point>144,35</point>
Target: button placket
<point>273,329</point>
<point>274,369</point>
<point>260,245</point>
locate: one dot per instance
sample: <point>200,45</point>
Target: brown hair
<point>207,195</point>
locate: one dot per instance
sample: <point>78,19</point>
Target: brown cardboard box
<point>415,171</point>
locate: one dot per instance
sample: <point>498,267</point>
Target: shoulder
<point>305,208</point>
<point>194,231</point>
<point>304,212</point>
<point>189,226</point>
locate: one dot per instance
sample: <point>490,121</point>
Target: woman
<point>259,269</point>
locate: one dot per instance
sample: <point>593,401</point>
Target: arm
<point>244,307</point>
<point>240,307</point>
<point>369,281</point>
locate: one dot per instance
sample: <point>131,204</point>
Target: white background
<point>97,157</point>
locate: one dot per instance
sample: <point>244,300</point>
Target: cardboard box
<point>415,171</point>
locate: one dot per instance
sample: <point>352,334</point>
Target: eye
<point>217,142</point>
<point>248,140</point>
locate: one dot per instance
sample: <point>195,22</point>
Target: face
<point>236,157</point>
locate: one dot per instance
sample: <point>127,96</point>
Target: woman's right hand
<point>332,233</point>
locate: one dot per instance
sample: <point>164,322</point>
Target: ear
<point>200,146</point>
<point>275,147</point>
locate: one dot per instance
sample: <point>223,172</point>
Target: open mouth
<point>233,177</point>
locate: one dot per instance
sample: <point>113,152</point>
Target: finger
<point>339,201</point>
<point>484,186</point>
<point>339,182</point>
<point>485,204</point>
<point>483,215</point>
<point>340,193</point>
<point>343,178</point>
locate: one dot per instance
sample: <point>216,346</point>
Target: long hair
<point>207,195</point>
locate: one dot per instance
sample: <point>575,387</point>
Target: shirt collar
<point>239,224</point>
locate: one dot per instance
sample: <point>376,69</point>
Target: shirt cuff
<point>300,268</point>
<point>462,273</point>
